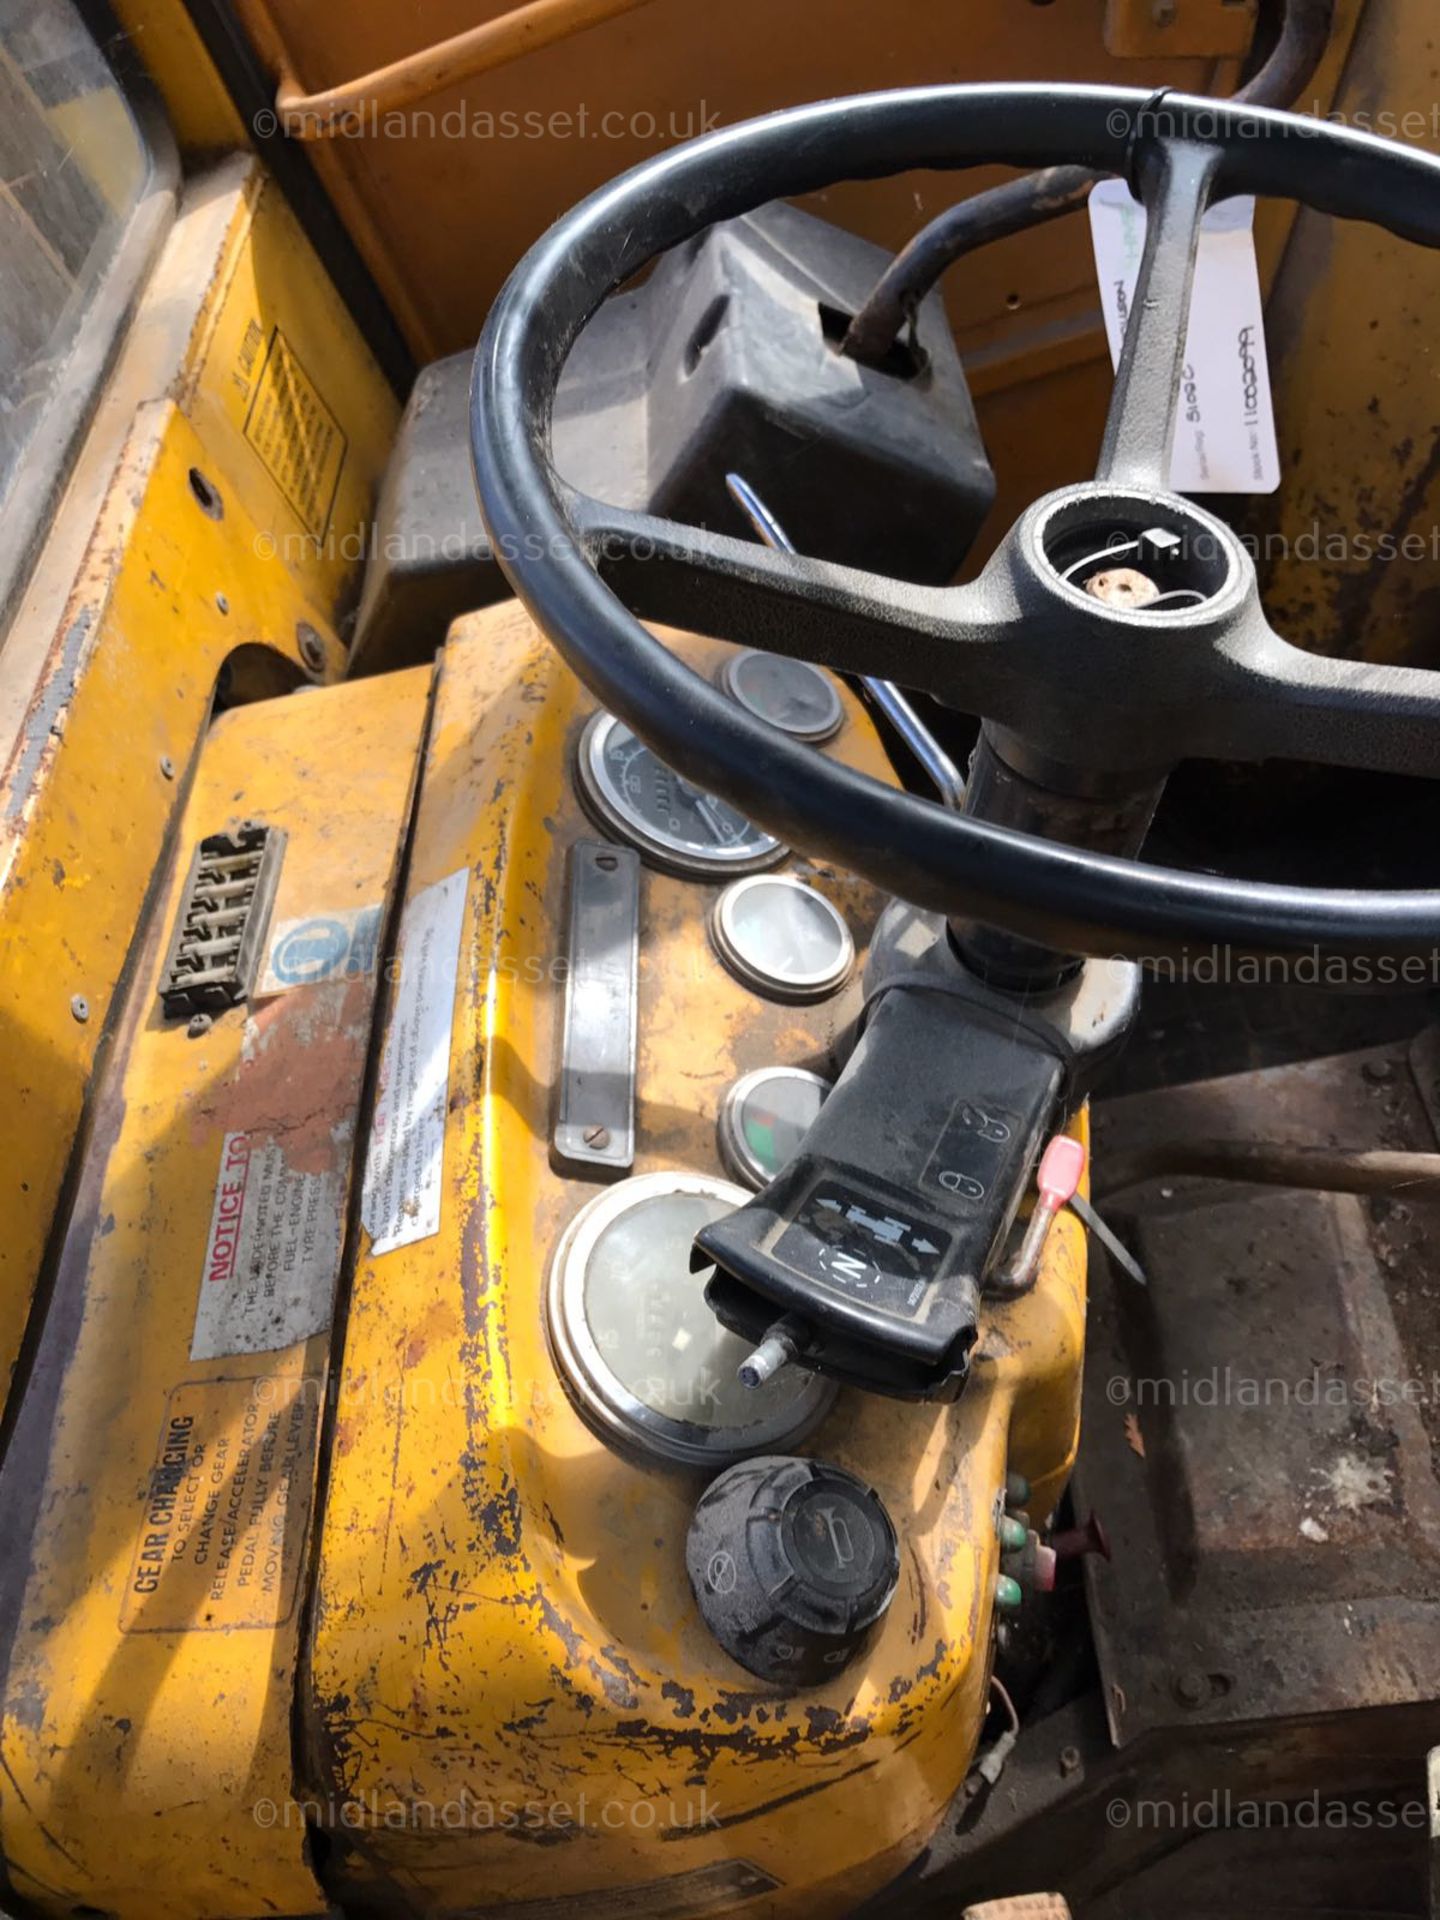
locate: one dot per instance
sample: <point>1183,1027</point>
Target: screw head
<point>167,766</point>
<point>1191,1688</point>
<point>1069,1761</point>
<point>222,604</point>
<point>597,1137</point>
<point>312,648</point>
<point>200,1023</point>
<point>80,1007</point>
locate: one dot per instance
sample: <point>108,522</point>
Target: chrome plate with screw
<point>789,694</point>
<point>781,938</point>
<point>763,1119</point>
<point>672,823</point>
<point>594,1120</point>
<point>646,1362</point>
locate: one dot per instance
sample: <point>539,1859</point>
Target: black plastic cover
<point>723,360</point>
<point>878,1234</point>
<point>793,1564</point>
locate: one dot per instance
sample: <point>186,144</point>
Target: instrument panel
<point>645,1361</point>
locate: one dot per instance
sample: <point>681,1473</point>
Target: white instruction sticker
<point>1225,423</point>
<point>401,1201</point>
<point>273,1254</point>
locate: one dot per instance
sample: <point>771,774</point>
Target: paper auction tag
<point>1225,424</point>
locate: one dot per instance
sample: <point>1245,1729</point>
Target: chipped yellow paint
<point>112,668</point>
<point>201,113</point>
<point>155,1508</point>
<point>505,1649</point>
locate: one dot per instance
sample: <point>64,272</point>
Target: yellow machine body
<point>398,1541</point>
<point>157,1506</point>
<point>245,385</point>
<point>371,1620</point>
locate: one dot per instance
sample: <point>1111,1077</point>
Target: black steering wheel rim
<point>1071,898</point>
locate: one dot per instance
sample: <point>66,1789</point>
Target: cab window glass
<point>73,168</point>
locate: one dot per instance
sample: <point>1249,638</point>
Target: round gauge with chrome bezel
<point>789,694</point>
<point>670,821</point>
<point>781,937</point>
<point>763,1119</point>
<point>644,1359</point>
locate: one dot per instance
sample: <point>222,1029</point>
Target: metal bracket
<point>595,1105</point>
<point>1202,29</point>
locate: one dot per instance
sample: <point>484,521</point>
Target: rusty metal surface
<point>1259,1427</point>
<point>1239,1823</point>
<point>1348,551</point>
<point>156,1498</point>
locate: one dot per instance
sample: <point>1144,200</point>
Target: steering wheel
<point>1088,696</point>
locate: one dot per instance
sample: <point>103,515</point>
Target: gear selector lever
<point>864,1257</point>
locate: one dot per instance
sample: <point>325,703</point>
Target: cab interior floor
<point>1260,1425</point>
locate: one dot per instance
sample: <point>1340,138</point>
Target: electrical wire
<point>999,1688</point>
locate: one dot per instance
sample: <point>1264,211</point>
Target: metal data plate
<point>595,1110</point>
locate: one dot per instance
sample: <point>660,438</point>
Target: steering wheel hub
<point>1196,564</point>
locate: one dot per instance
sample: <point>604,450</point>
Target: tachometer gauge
<point>646,1362</point>
<point>781,938</point>
<point>672,823</point>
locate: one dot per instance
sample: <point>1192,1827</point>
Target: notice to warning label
<point>222,1536</point>
<point>296,435</point>
<point>273,1252</point>
<point>401,1200</point>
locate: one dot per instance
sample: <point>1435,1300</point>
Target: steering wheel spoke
<point>1342,713</point>
<point>933,639</point>
<point>1140,426</point>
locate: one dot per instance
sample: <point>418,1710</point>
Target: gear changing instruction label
<point>1225,419</point>
<point>222,1534</point>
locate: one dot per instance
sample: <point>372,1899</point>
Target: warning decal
<point>296,435</point>
<point>222,1536</point>
<point>273,1252</point>
<point>401,1201</point>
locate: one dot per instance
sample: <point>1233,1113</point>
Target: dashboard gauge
<point>646,1362</point>
<point>763,1119</point>
<point>789,694</point>
<point>670,821</point>
<point>783,939</point>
